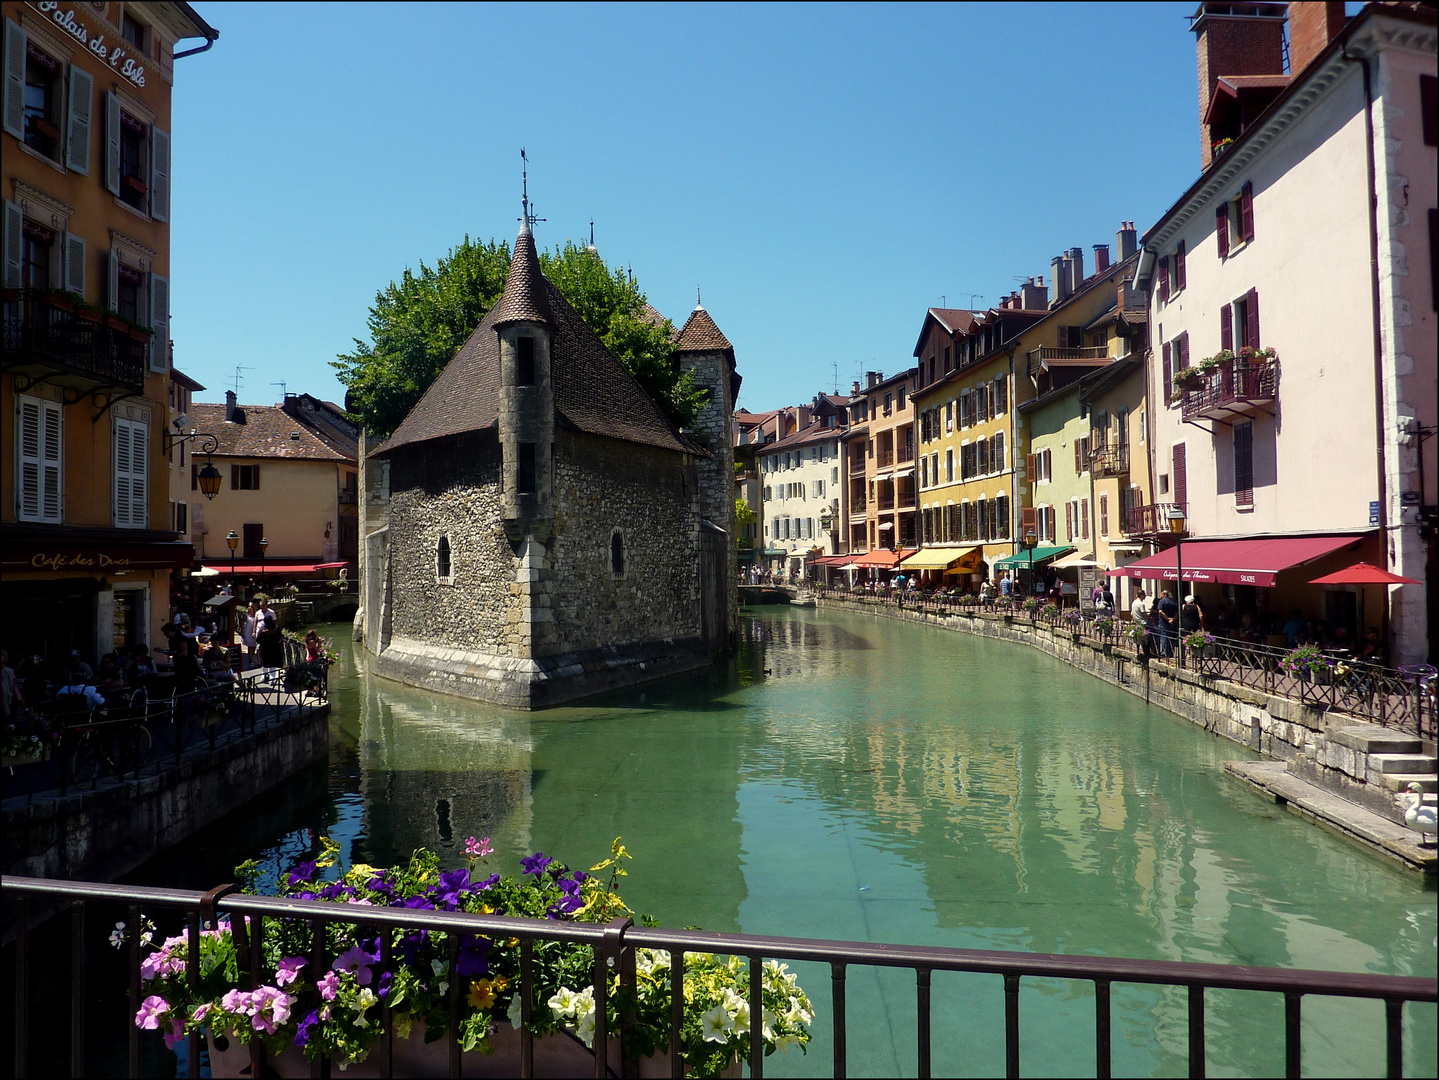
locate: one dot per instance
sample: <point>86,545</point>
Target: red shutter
<point>1164,278</point>
<point>1053,525</point>
<point>1078,457</point>
<point>1028,526</point>
<point>1084,518</point>
<point>1183,358</point>
<point>1244,465</point>
<point>1246,212</point>
<point>1221,229</point>
<point>1179,266</point>
<point>1168,376</point>
<point>1030,467</point>
<point>1180,480</point>
<point>234,478</point>
<point>1252,311</point>
<point>1226,327</point>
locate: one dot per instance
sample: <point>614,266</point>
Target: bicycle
<point>103,748</point>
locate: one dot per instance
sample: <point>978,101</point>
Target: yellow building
<point>88,545</point>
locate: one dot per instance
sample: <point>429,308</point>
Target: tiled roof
<point>524,297</point>
<point>700,334</point>
<point>955,320</point>
<point>268,432</point>
<point>594,392</point>
<point>1251,82</point>
<point>812,434</point>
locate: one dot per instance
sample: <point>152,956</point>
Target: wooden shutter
<point>194,475</point>
<point>1168,374</point>
<point>1164,278</point>
<point>234,478</point>
<point>112,281</point>
<point>1028,526</point>
<point>1069,521</point>
<point>130,476</point>
<point>1183,358</point>
<point>77,121</point>
<point>1246,212</point>
<point>28,499</point>
<point>1031,468</point>
<point>1001,388</point>
<point>1244,464</point>
<point>159,174</point>
<point>112,143</point>
<point>159,297</point>
<point>1000,462</point>
<point>75,264</point>
<point>1104,515</point>
<point>1251,312</point>
<point>1179,266</point>
<point>255,477</point>
<point>1180,480</point>
<point>1226,327</point>
<point>1084,519</point>
<point>1078,456</point>
<point>14,240</point>
<point>15,42</point>
<point>1221,229</point>
<point>51,469</point>
<point>1049,465</point>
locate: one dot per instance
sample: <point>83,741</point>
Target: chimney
<point>230,406</point>
<point>872,378</point>
<point>1059,267</point>
<point>1036,296</point>
<point>1076,269</point>
<point>1126,241</point>
<point>1312,26</point>
<point>1101,258</point>
<point>1234,39</point>
<point>854,389</point>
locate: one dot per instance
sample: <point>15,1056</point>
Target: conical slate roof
<point>700,334</point>
<point>594,392</point>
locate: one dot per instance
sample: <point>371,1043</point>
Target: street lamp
<point>1176,526</point>
<point>263,545</point>
<point>208,478</point>
<point>233,540</point>
<point>1027,541</point>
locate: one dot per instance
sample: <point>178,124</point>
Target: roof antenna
<point>281,385</point>
<point>527,218</point>
<point>942,298</point>
<point>240,378</point>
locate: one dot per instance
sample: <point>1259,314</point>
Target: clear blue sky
<point>825,173</point>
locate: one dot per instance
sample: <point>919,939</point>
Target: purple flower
<point>151,1011</point>
<point>355,959</point>
<point>453,886</point>
<point>384,888</point>
<point>489,882</point>
<point>536,863</point>
<point>419,903</point>
<point>289,970</point>
<point>302,872</point>
<point>473,961</point>
<point>329,986</point>
<point>306,1027</point>
<point>335,891</point>
<point>382,989</point>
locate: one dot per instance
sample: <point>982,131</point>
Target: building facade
<point>1292,296</point>
<point>89,543</point>
<point>879,465</point>
<point>801,482</point>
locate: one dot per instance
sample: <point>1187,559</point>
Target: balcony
<point>1239,387</point>
<point>903,454</point>
<point>856,464</point>
<point>885,502</point>
<point>46,332</point>
<point>1046,354</point>
<point>1150,520</point>
<point>349,497</point>
<point>884,458</point>
<point>906,500</point>
<point>1109,461</point>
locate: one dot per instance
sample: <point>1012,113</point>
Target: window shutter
<point>15,42</point>
<point>255,476</point>
<point>234,478</point>
<point>159,296</point>
<point>28,499</point>
<point>1068,521</point>
<point>139,475</point>
<point>1031,468</point>
<point>1179,266</point>
<point>159,174</point>
<point>112,281</point>
<point>1084,518</point>
<point>1001,388</point>
<point>14,239</point>
<point>1221,229</point>
<point>75,264</point>
<point>1168,374</point>
<point>1164,278</point>
<point>1104,515</point>
<point>1180,484</point>
<point>1027,522</point>
<point>122,473</point>
<point>1226,327</point>
<point>51,471</point>
<point>1252,318</point>
<point>1183,358</point>
<point>77,126</point>
<point>112,143</point>
<point>1246,212</point>
<point>1244,464</point>
<point>1078,456</point>
<point>194,475</point>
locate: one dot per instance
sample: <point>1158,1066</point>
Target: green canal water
<point>865,779</point>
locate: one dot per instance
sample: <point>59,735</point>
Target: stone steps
<point>1408,764</point>
<point>1372,739</point>
<point>1399,782</point>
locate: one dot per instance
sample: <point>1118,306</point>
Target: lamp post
<point>1176,526</point>
<point>263,545</point>
<point>233,540</point>
<point>1027,542</point>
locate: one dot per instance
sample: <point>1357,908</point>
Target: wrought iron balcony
<point>1150,520</point>
<point>885,502</point>
<point>46,332</point>
<point>1107,461</point>
<point>1239,387</point>
<point>856,463</point>
<point>906,500</point>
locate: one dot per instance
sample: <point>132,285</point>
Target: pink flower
<point>478,849</point>
<point>329,986</point>
<point>237,1002</point>
<point>202,1012</point>
<point>289,970</point>
<point>151,1011</point>
<point>175,1034</point>
<point>354,959</point>
<point>272,1008</point>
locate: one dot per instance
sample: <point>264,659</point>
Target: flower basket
<point>1306,662</point>
<point>1199,644</point>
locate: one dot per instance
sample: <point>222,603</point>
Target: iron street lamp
<point>1027,541</point>
<point>208,477</point>
<point>234,541</point>
<point>1176,526</point>
<point>264,544</point>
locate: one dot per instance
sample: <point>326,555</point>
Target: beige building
<point>879,464</point>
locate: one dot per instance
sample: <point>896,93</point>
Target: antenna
<point>698,303</point>
<point>281,385</point>
<point>944,299</point>
<point>835,364</point>
<point>239,379</point>
<point>527,217</point>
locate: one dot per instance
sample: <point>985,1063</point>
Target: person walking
<point>1006,585</point>
<point>1191,616</point>
<point>248,628</point>
<point>1139,608</point>
<point>272,645</point>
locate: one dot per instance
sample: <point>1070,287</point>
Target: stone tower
<point>707,354</point>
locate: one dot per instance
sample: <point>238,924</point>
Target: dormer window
<point>133,30</point>
<point>525,361</point>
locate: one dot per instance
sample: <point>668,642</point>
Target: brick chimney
<point>1126,241</point>
<point>1312,26</point>
<point>1101,258</point>
<point>230,405</point>
<point>1234,39</point>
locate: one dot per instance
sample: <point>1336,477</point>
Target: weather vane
<point>526,216</point>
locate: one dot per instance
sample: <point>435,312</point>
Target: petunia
<point>175,1034</point>
<point>329,986</point>
<point>302,871</point>
<point>117,935</point>
<point>306,1027</point>
<point>151,1011</point>
<point>714,1025</point>
<point>536,863</point>
<point>289,970</point>
<point>473,956</point>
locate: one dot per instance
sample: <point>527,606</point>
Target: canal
<point>869,779</point>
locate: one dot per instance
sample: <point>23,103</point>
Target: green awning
<point>1041,555</point>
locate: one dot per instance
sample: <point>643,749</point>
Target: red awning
<point>1237,562</point>
<point>829,560</point>
<point>882,559</point>
<point>272,569</point>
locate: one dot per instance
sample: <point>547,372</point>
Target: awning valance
<point>881,559</point>
<point>1237,562</point>
<point>271,568</point>
<point>937,558</point>
<point>1041,556</point>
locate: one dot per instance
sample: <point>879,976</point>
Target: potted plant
<point>297,1014</point>
<point>1199,645</point>
<point>1306,662</point>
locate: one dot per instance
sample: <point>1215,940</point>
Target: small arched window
<point>442,558</point>
<point>617,553</point>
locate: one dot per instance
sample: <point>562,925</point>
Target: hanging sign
<point>123,63</point>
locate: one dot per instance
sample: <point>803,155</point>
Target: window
<point>924,472</point>
<point>997,453</point>
<point>132,474</point>
<point>1037,466</point>
<point>526,480</point>
<point>251,535</point>
<point>899,399</point>
<point>40,466</point>
<point>37,242</point>
<point>1244,465</point>
<point>244,478</point>
<point>888,404</point>
<point>817,489</point>
<point>42,101</point>
<point>1084,518</point>
<point>1000,396</point>
<point>133,188</point>
<point>130,284</point>
<point>1104,515</point>
<point>617,553</point>
<point>525,361</point>
<point>133,31</point>
<point>948,465</point>
<point>442,560</point>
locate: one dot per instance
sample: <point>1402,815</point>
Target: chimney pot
<point>1101,258</point>
<point>1076,269</point>
<point>230,405</point>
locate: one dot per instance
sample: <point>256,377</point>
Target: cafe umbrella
<point>1362,574</point>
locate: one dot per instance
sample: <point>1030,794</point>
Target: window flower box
<point>41,126</point>
<point>134,186</point>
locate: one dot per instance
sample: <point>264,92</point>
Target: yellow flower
<point>482,993</point>
<point>513,942</point>
<point>500,984</point>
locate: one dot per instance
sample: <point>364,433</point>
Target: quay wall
<point>1277,727</point>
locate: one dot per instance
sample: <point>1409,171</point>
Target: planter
<point>12,761</point>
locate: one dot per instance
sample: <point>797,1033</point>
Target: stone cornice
<point>117,237</point>
<point>34,194</point>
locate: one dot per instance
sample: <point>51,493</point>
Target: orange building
<point>88,547</point>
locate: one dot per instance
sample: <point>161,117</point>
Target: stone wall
<point>714,430</point>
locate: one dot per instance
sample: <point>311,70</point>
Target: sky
<point>823,173</point>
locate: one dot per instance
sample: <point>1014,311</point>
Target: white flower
<point>584,1003</point>
<point>714,1025</point>
<point>585,1029</point>
<point>117,935</point>
<point>767,1020</point>
<point>738,1010</point>
<point>516,1012</point>
<point>438,966</point>
<point>562,1004</point>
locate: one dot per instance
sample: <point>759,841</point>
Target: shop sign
<point>78,561</point>
<point>115,560</point>
<point>123,63</point>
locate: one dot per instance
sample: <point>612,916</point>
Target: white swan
<point>1418,815</point>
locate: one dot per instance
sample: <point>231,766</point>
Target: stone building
<point>536,530</point>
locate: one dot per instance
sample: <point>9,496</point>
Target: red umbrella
<point>1362,574</point>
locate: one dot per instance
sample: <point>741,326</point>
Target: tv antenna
<point>527,217</point>
<point>835,364</point>
<point>281,385</point>
<point>239,378</point>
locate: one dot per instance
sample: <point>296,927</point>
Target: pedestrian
<point>79,686</point>
<point>248,626</point>
<point>1168,609</point>
<point>1107,599</point>
<point>314,646</point>
<point>272,645</point>
<point>1191,616</point>
<point>1006,586</point>
<point>1139,608</point>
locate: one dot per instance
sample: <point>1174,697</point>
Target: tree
<point>743,516</point>
<point>417,324</point>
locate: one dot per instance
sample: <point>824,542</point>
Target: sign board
<point>1068,588</point>
<point>1088,578</point>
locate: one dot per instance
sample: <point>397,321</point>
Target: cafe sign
<point>114,55</point>
<point>78,559</point>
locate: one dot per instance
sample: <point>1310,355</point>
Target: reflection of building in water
<point>431,775</point>
<point>777,648</point>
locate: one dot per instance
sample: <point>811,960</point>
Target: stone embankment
<point>1332,767</point>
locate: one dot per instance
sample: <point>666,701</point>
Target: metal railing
<point>884,458</point>
<point>613,946</point>
<point>1235,387</point>
<point>903,454</point>
<point>1087,352</point>
<point>45,329</point>
<point>856,463</point>
<point>1150,519</point>
<point>1111,460</point>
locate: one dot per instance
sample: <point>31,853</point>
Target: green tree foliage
<point>743,516</point>
<point>418,323</point>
